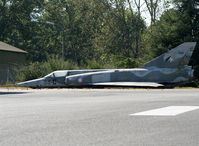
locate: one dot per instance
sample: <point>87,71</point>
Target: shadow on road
<point>6,93</point>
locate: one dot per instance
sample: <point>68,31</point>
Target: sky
<point>145,13</point>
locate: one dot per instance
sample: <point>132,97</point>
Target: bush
<point>94,65</point>
<point>40,69</point>
<point>114,62</point>
<point>124,62</point>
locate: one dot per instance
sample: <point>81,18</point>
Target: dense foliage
<point>96,33</point>
<point>41,69</point>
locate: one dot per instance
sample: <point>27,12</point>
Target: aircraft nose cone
<point>32,83</point>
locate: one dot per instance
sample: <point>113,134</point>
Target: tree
<point>176,26</point>
<point>139,26</point>
<point>81,21</point>
<point>121,30</point>
<point>189,14</point>
<point>16,23</point>
<point>152,6</point>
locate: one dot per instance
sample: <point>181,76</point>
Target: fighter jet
<point>169,68</point>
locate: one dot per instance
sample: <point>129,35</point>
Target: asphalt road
<point>96,117</point>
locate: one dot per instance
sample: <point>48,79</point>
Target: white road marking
<point>167,111</point>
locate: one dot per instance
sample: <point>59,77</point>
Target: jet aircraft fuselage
<point>171,67</point>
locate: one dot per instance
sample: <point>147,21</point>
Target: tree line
<point>99,33</point>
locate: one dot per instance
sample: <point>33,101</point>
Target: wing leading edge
<point>135,84</point>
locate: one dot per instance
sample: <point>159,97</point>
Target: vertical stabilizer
<point>177,57</point>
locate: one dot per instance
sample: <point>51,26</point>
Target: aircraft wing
<point>135,84</point>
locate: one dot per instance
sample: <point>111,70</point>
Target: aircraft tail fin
<point>179,56</point>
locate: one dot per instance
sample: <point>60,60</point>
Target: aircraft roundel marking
<point>80,80</point>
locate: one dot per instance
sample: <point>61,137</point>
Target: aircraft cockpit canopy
<point>57,74</point>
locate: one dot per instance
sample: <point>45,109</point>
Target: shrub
<point>40,69</point>
<point>125,62</point>
<point>94,65</point>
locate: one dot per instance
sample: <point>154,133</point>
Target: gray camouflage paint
<point>158,75</point>
<point>171,67</point>
<point>175,58</point>
<point>54,79</point>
